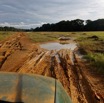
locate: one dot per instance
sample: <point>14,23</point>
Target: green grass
<point>4,34</point>
<point>94,49</point>
<point>97,61</point>
<point>91,45</point>
<point>47,36</point>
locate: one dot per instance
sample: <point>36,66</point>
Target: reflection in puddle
<point>58,46</point>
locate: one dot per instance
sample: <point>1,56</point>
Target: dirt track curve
<point>19,54</point>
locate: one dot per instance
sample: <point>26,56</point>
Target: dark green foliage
<point>6,28</point>
<point>73,25</point>
<point>97,25</point>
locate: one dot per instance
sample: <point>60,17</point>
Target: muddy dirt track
<point>19,54</point>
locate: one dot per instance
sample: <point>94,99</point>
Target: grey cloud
<point>21,24</point>
<point>33,12</point>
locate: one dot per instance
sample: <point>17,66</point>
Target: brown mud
<point>19,54</point>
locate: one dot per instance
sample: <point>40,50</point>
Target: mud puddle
<point>58,46</point>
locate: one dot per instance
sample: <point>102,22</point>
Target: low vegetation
<point>46,36</point>
<point>4,34</point>
<point>93,44</point>
<point>97,61</point>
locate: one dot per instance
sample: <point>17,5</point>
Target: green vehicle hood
<point>27,88</point>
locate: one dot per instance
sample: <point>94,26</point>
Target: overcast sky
<point>33,13</point>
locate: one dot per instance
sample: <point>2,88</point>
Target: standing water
<point>58,46</point>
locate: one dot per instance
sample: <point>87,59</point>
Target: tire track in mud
<point>60,66</point>
<point>87,91</point>
<point>30,63</point>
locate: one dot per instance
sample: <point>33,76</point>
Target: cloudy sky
<point>33,13</point>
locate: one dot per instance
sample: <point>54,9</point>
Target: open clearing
<point>21,53</point>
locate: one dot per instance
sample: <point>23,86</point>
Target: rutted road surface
<point>19,54</point>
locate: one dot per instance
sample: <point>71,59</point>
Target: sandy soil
<point>19,54</point>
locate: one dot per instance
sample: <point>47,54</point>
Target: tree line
<point>73,25</point>
<point>6,28</point>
